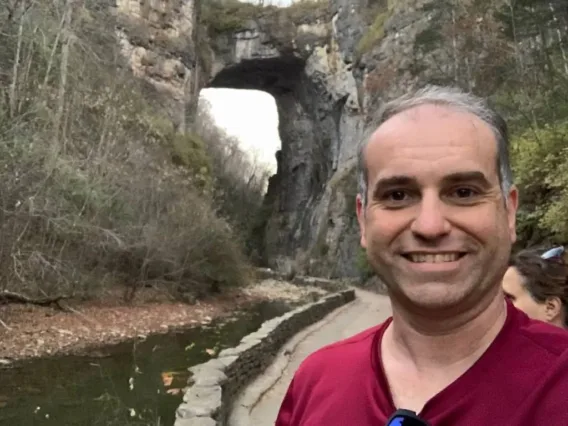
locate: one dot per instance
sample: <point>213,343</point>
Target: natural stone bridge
<point>328,64</point>
<point>245,385</point>
<point>304,59</point>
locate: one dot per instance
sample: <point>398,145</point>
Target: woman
<point>539,286</point>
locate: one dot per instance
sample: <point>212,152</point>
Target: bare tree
<point>59,143</point>
<point>102,207</point>
<point>12,94</point>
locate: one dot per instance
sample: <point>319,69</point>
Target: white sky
<point>252,117</point>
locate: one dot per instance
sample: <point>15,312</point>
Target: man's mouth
<point>434,257</point>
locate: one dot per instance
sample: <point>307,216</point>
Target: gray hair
<point>453,98</point>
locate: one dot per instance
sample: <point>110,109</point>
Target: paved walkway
<point>259,403</point>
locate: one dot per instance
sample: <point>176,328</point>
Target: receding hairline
<point>412,113</point>
<point>454,99</point>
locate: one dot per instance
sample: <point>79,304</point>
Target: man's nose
<point>430,222</point>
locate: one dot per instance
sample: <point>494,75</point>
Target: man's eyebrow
<point>397,180</point>
<point>453,178</point>
<point>473,176</point>
<point>393,181</point>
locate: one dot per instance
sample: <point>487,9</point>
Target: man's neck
<point>444,342</point>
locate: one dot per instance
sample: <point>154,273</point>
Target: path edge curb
<point>215,383</point>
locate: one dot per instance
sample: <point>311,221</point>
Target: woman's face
<point>521,298</point>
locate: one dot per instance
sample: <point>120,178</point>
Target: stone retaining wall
<point>215,383</point>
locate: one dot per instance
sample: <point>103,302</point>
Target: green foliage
<point>301,9</point>
<point>374,33</point>
<point>377,14</point>
<point>533,94</point>
<point>428,39</point>
<point>225,16</point>
<point>527,15</point>
<point>189,151</point>
<point>540,162</point>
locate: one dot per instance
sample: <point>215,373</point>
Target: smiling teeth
<point>434,258</point>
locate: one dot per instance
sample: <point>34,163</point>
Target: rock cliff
<point>328,65</point>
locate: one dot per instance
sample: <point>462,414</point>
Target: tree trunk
<point>60,145</point>
<point>561,41</point>
<point>13,91</point>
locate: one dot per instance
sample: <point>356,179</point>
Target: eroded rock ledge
<point>216,383</point>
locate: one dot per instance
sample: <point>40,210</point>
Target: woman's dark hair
<point>543,278</point>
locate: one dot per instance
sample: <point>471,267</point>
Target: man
<point>436,209</point>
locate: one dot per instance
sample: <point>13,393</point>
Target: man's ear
<point>361,219</point>
<point>512,205</point>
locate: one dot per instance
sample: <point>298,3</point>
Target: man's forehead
<point>424,115</point>
<point>429,131</point>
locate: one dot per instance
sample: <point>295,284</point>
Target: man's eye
<point>396,196</point>
<point>465,192</point>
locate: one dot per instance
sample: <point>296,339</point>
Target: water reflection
<point>135,383</point>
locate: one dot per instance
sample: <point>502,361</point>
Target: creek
<point>132,383</point>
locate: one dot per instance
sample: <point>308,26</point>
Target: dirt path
<point>259,403</point>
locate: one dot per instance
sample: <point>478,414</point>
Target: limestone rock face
<point>329,67</point>
<point>156,39</point>
<point>297,57</point>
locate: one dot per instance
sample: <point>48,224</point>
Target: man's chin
<point>435,295</point>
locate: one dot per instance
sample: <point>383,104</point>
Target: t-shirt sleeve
<point>284,417</point>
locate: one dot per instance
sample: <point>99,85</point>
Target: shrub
<point>228,15</point>
<point>540,164</point>
<point>374,34</point>
<point>90,196</point>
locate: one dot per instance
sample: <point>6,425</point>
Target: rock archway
<point>312,103</point>
<point>306,157</point>
<point>303,58</point>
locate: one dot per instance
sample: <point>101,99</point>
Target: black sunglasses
<point>406,418</point>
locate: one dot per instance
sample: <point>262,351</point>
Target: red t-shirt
<point>521,380</point>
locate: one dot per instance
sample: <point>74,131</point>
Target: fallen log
<point>7,297</point>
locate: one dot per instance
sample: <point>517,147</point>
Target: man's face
<point>436,227</point>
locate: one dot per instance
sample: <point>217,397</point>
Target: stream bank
<point>139,381</point>
<point>42,331</point>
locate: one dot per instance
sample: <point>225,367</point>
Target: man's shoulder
<point>543,337</point>
<point>354,350</point>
